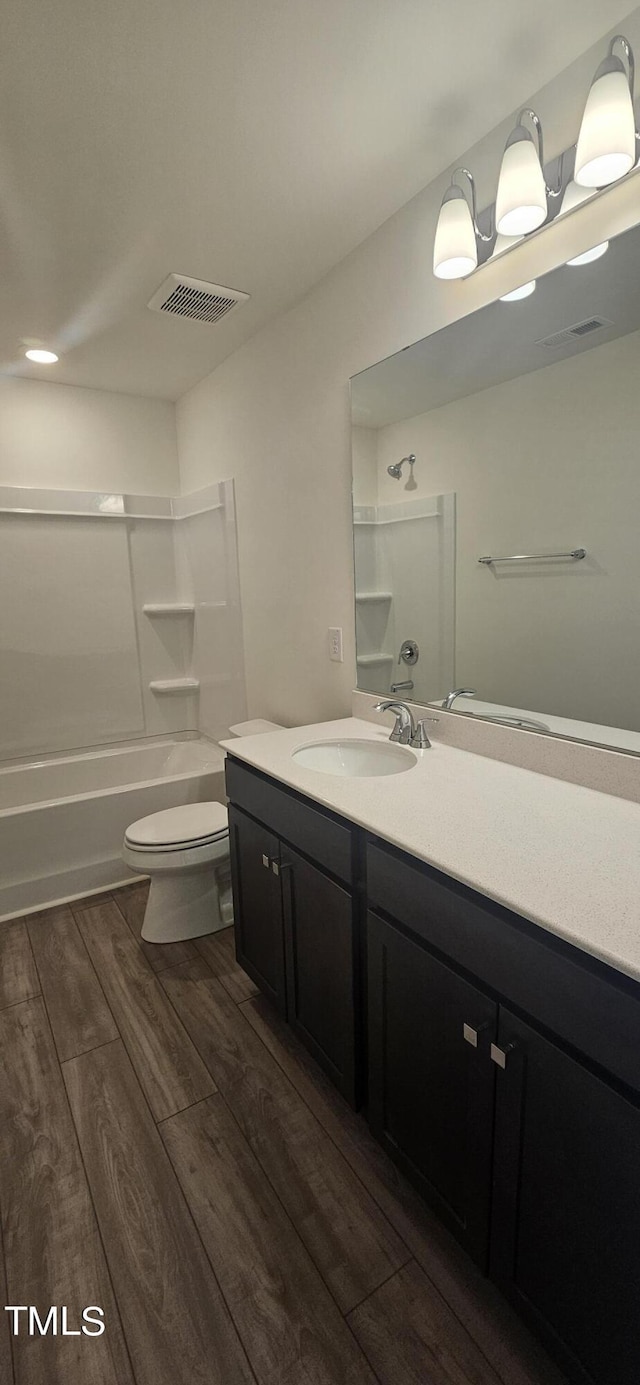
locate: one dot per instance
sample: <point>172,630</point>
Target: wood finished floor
<point>169,1152</point>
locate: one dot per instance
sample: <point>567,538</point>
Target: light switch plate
<point>335,644</point>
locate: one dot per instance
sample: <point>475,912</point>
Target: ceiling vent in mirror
<point>571,334</point>
<point>195,298</point>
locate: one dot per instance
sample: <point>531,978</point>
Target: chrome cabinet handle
<point>266,862</point>
<point>499,1055</point>
<point>471,1035</point>
<point>275,867</point>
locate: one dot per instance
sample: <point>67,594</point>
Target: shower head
<point>395,469</point>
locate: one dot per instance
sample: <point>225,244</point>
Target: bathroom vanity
<point>494,1048</point>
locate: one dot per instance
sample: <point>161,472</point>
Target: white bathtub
<point>62,820</point>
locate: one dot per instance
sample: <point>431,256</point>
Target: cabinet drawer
<point>308,829</point>
<point>584,1002</point>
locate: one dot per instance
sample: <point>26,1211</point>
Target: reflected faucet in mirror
<point>449,700</point>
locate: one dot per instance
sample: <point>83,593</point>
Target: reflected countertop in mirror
<point>496,488</point>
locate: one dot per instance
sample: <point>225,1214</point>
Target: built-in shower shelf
<point>368,659</point>
<point>369,598</point>
<point>168,608</point>
<point>167,686</point>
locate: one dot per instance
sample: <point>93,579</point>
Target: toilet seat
<point>185,828</point>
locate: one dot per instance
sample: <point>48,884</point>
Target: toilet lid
<point>180,827</point>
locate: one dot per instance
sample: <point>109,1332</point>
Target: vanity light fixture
<point>455,249</point>
<point>522,292</point>
<point>530,195</point>
<point>606,148</point>
<point>504,243</point>
<point>41,357</point>
<point>521,202</point>
<point>574,196</point>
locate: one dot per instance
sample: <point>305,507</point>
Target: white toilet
<point>185,851</point>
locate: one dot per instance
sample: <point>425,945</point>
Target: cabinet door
<point>431,1081</point>
<point>320,972</point>
<point>566,1209</point>
<point>257,904</point>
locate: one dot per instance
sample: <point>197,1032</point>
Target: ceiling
<point>252,143</point>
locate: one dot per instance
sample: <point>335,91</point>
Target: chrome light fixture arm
<point>628,53</point>
<point>470,194</point>
<point>624,44</point>
<point>534,118</point>
<point>537,126</point>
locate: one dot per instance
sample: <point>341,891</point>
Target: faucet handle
<point>420,739</point>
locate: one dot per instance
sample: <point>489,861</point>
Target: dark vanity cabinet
<point>504,1078</point>
<point>502,1069</point>
<point>255,865</point>
<point>431,1085</point>
<point>294,908</point>
<point>565,1243</point>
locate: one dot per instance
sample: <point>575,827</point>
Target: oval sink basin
<point>355,759</point>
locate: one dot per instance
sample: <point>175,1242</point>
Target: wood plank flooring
<point>169,1068</point>
<point>18,976</point>
<point>51,1241</point>
<point>79,1015</point>
<point>170,1153</point>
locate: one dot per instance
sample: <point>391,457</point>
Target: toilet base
<point>186,905</point>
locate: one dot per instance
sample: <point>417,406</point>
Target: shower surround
<point>120,626</point>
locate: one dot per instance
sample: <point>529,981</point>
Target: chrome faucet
<point>405,732</point>
<point>404,729</point>
<point>457,692</point>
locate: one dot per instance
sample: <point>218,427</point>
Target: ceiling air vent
<point>570,334</point>
<point>195,298</point>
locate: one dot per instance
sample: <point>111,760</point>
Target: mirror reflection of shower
<point>395,470</point>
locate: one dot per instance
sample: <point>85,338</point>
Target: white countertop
<point>565,857</point>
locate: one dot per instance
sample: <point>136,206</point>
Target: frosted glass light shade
<point>455,251</point>
<point>574,196</point>
<point>594,253</point>
<point>522,292</point>
<point>503,243</point>
<point>606,147</point>
<point>521,203</point>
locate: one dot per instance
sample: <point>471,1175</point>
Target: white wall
<point>275,415</point>
<point>364,454</point>
<point>535,469</point>
<point>69,438</point>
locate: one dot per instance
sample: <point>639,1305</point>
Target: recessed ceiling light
<point>42,357</point>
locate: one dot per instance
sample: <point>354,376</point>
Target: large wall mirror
<point>496,490</point>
